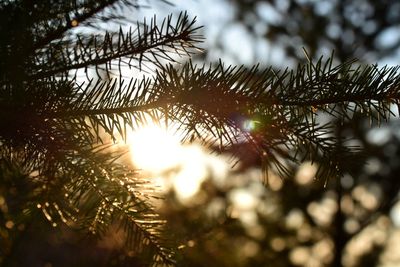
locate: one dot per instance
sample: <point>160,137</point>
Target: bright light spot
<point>299,255</point>
<point>191,243</point>
<point>248,218</point>
<point>216,207</point>
<point>294,219</point>
<point>188,181</point>
<point>278,244</point>
<point>74,23</point>
<point>351,226</point>
<point>275,182</point>
<point>9,224</point>
<point>154,149</point>
<point>249,125</point>
<point>391,254</point>
<point>243,199</point>
<point>323,212</point>
<point>347,204</point>
<point>306,173</point>
<point>219,168</point>
<point>183,168</point>
<point>379,136</point>
<point>322,250</point>
<point>395,214</point>
<point>368,199</point>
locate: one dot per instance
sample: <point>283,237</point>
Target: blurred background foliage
<point>277,30</point>
<point>237,220</point>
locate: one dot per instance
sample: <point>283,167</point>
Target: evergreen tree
<point>56,163</point>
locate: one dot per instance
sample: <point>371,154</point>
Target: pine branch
<point>121,197</point>
<point>360,89</point>
<point>82,10</point>
<point>213,104</point>
<point>147,42</point>
<point>70,180</point>
<point>87,189</point>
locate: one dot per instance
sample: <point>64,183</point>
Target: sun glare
<point>159,153</point>
<point>154,149</point>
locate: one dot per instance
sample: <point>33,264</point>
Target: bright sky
<point>239,46</point>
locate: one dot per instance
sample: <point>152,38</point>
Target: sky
<point>238,45</point>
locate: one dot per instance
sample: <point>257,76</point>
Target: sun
<point>159,153</point>
<point>155,149</point>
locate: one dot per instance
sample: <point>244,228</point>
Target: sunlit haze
<point>158,152</point>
